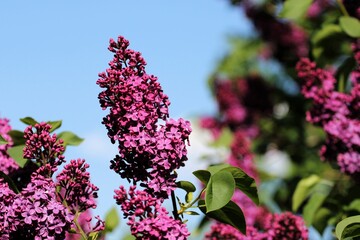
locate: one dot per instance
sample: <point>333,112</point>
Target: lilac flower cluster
<point>286,41</point>
<point>277,227</point>
<point>77,190</point>
<point>147,218</point>
<point>42,147</point>
<point>149,153</point>
<point>7,164</point>
<point>336,112</point>
<point>240,105</point>
<point>39,210</point>
<point>34,213</point>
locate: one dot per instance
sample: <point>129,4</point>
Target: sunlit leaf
<point>16,153</point>
<point>29,121</point>
<point>303,190</point>
<point>2,141</point>
<point>350,25</point>
<point>112,220</point>
<point>295,9</point>
<point>340,229</point>
<point>70,138</point>
<point>219,190</point>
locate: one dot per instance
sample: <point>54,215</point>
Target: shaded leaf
<point>186,185</point>
<point>70,138</point>
<point>230,214</point>
<point>219,190</point>
<point>342,225</point>
<point>17,137</point>
<point>10,182</point>
<point>350,25</point>
<point>191,213</point>
<point>244,182</point>
<point>29,121</point>
<point>16,153</point>
<point>202,175</point>
<point>112,220</point>
<point>2,141</point>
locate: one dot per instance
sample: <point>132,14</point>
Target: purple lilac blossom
<point>7,164</point>
<point>336,112</point>
<point>149,152</point>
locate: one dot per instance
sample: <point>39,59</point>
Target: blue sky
<point>52,51</point>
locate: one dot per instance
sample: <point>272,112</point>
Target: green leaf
<point>295,9</point>
<point>203,175</point>
<point>29,121</point>
<point>351,232</point>
<point>244,183</point>
<point>17,137</point>
<point>93,236</point>
<point>189,197</point>
<point>2,141</point>
<point>55,125</point>
<point>128,237</point>
<point>224,140</point>
<point>10,182</point>
<point>219,190</point>
<point>186,185</point>
<point>16,153</point>
<point>303,190</point>
<point>216,168</point>
<point>354,206</point>
<point>318,195</point>
<point>341,226</point>
<point>230,214</point>
<point>351,26</point>
<point>328,44</point>
<point>343,72</point>
<point>191,213</point>
<point>111,220</point>
<point>70,138</point>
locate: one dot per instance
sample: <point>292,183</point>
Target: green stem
<point>81,231</point>
<point>184,208</point>
<point>342,8</point>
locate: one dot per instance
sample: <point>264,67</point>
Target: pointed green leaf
<point>29,121</point>
<point>216,168</point>
<point>17,137</point>
<point>244,182</point>
<point>351,26</point>
<point>112,220</point>
<point>351,232</point>
<point>353,206</point>
<point>295,9</point>
<point>186,185</point>
<point>341,226</point>
<point>55,125</point>
<point>219,190</point>
<point>10,182</point>
<point>202,175</point>
<point>303,190</point>
<point>70,138</point>
<point>129,237</point>
<point>318,196</point>
<point>16,153</point>
<point>230,214</point>
<point>191,213</point>
<point>189,197</point>
<point>3,141</point>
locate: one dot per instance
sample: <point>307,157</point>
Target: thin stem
<point>81,231</point>
<point>183,208</point>
<point>342,8</point>
<point>175,211</point>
